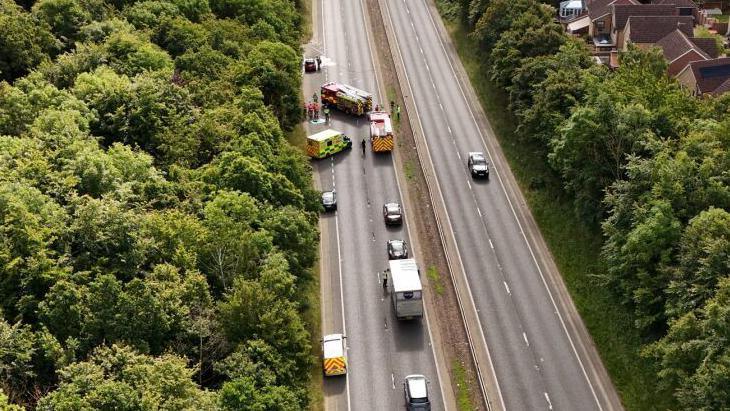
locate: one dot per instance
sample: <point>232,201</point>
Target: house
<point>706,77</point>
<point>600,13</point>
<point>645,31</point>
<point>679,50</point>
<point>570,9</point>
<point>621,13</point>
<point>607,19</point>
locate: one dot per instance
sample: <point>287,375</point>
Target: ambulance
<point>326,143</point>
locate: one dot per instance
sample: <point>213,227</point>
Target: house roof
<point>600,8</point>
<point>678,3</point>
<point>651,29</point>
<point>708,45</point>
<point>723,88</point>
<point>622,12</point>
<point>711,75</point>
<point>676,44</point>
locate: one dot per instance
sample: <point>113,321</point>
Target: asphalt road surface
<point>537,364</point>
<point>381,351</point>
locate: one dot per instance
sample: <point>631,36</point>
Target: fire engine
<point>347,98</point>
<point>381,131</point>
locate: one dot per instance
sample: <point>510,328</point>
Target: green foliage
<point>64,17</point>
<point>147,196</point>
<point>25,42</point>
<point>118,378</point>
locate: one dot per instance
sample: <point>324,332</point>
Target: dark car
<point>478,165</point>
<point>348,142</point>
<point>415,389</point>
<point>310,65</point>
<point>392,214</point>
<point>329,200</point>
<point>397,249</point>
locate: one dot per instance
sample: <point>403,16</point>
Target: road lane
<point>536,363</point>
<point>381,351</point>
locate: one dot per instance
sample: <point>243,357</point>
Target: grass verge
<point>313,318</point>
<point>435,279</point>
<point>463,402</point>
<point>408,170</point>
<point>574,245</point>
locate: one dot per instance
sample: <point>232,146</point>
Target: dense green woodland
<point>156,229</point>
<point>645,161</point>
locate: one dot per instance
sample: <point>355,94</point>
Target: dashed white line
<point>507,288</point>
<point>547,398</point>
<point>449,128</point>
<point>478,210</point>
<point>525,337</point>
<point>392,380</point>
<point>459,155</point>
<point>491,244</point>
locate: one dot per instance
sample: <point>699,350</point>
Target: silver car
<point>478,165</point>
<point>392,214</point>
<point>415,389</point>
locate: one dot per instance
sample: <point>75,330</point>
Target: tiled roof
<point>677,3</point>
<point>598,8</point>
<point>708,45</point>
<point>622,12</point>
<point>711,75</point>
<point>650,29</point>
<point>723,88</point>
<point>676,43</point>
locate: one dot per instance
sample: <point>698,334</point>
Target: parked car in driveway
<point>392,214</point>
<point>397,249</point>
<point>329,200</point>
<point>478,165</point>
<point>415,389</point>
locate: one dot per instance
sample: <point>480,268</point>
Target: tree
<point>593,147</point>
<point>694,355</point>
<point>64,17</point>
<point>24,41</point>
<point>118,378</point>
<point>530,35</point>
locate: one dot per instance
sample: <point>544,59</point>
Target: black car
<point>478,165</point>
<point>392,214</point>
<point>415,389</point>
<point>397,249</point>
<point>329,200</point>
<point>310,65</point>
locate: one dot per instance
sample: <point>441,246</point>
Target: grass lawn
<point>574,245</point>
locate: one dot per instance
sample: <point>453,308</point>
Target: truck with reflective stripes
<point>381,131</point>
<point>346,98</point>
<point>334,357</point>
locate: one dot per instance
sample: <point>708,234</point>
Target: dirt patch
<point>448,319</point>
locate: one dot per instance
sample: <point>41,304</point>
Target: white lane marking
<point>449,128</point>
<point>478,210</point>
<point>550,404</point>
<point>392,380</point>
<point>507,287</point>
<point>337,224</point>
<point>514,213</point>
<point>527,343</point>
<point>491,244</point>
<point>441,105</point>
<point>459,155</point>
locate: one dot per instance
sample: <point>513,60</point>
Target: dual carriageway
<point>539,354</point>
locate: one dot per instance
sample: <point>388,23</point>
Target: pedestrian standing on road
<point>377,107</point>
<point>397,113</point>
<point>327,114</point>
<point>314,97</point>
<point>385,278</point>
<point>363,146</point>
<point>319,62</point>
